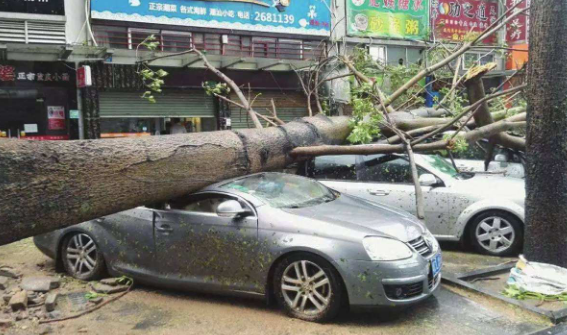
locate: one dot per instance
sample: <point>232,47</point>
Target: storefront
<point>35,100</point>
<point>290,105</point>
<point>126,114</point>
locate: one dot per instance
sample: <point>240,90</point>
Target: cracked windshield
<point>284,191</point>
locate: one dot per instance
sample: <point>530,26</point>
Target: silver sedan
<point>485,210</point>
<point>271,235</point>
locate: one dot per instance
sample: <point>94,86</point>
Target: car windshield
<point>441,165</point>
<point>283,190</point>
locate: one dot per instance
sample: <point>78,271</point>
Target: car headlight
<point>385,249</point>
<point>431,241</point>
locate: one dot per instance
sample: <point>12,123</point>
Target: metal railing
<point>214,44</point>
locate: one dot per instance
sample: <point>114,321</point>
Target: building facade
<point>37,82</point>
<point>401,32</point>
<point>260,44</point>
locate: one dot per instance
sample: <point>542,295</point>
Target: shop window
<point>414,56</point>
<point>378,54</point>
<point>126,127</point>
<point>246,43</point>
<point>471,59</point>
<point>175,41</point>
<point>198,41</point>
<point>290,49</point>
<point>237,45</point>
<point>485,59</point>
<point>213,44</point>
<point>264,47</point>
<point>112,37</point>
<point>137,36</point>
<point>396,56</point>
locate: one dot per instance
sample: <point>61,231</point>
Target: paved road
<point>153,311</point>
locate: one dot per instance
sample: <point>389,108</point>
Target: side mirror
<point>427,180</point>
<point>502,159</point>
<point>231,209</point>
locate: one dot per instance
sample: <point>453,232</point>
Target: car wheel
<point>308,287</point>
<point>81,257</point>
<point>496,233</point>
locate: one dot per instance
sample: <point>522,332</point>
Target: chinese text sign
<point>405,19</point>
<point>517,28</point>
<point>306,17</point>
<point>453,20</point>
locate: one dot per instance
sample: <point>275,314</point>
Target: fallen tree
<point>49,185</point>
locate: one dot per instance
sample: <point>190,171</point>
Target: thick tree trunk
<point>546,168</point>
<point>50,185</point>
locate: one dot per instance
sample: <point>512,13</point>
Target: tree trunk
<point>50,185</point>
<point>546,168</point>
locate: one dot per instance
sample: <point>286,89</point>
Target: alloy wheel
<point>306,287</point>
<point>81,254</point>
<point>495,234</point>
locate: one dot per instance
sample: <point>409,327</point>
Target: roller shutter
<point>290,106</point>
<point>186,103</point>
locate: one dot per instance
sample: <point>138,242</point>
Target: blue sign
<point>305,17</point>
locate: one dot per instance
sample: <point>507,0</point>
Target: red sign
<point>47,138</point>
<point>517,29</point>
<point>56,118</point>
<point>84,76</point>
<point>455,19</point>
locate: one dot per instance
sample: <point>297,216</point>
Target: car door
<point>387,179</point>
<point>127,240</point>
<point>195,246</point>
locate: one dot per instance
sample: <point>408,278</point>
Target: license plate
<point>436,264</point>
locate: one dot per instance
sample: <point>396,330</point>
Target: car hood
<point>368,217</point>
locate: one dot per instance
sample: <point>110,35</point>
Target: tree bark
<point>546,168</point>
<point>49,185</point>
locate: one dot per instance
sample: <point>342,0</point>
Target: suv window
<point>335,167</point>
<point>387,169</point>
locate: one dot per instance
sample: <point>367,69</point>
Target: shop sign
<point>74,114</point>
<point>404,19</point>
<point>47,138</point>
<point>518,28</point>
<point>9,73</point>
<point>30,128</point>
<point>56,118</point>
<point>455,20</point>
<point>305,17</point>
<point>84,78</point>
<point>53,7</point>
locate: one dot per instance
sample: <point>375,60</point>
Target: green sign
<point>74,114</point>
<point>404,19</point>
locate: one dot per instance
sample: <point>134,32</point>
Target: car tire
<point>318,298</point>
<point>81,257</point>
<point>496,233</point>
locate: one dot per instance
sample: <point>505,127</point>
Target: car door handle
<point>378,192</point>
<point>164,228</point>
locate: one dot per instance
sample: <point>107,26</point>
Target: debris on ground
<point>51,302</point>
<point>33,300</point>
<point>40,284</point>
<point>540,281</point>
<point>107,289</point>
